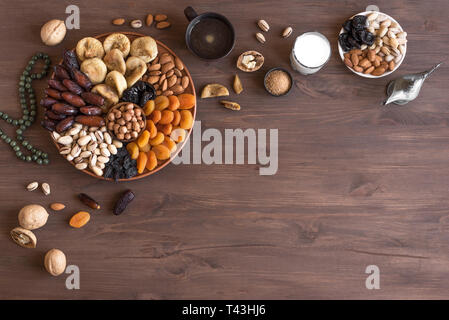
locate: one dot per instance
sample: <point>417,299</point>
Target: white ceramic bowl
<point>340,50</point>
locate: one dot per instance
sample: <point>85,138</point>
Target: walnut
<point>33,216</point>
<point>53,32</point>
<point>55,262</point>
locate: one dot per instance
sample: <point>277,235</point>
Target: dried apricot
<point>186,101</point>
<point>186,119</point>
<point>145,148</point>
<point>176,118</point>
<point>161,102</point>
<point>151,128</point>
<point>143,139</point>
<point>156,116</point>
<point>174,103</point>
<point>161,151</point>
<point>178,135</point>
<point>170,144</point>
<point>158,139</point>
<point>167,117</point>
<point>141,162</point>
<point>79,219</point>
<point>148,107</point>
<point>152,160</point>
<point>133,150</point>
<point>165,128</point>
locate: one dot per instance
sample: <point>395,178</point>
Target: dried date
<point>48,102</point>
<point>56,84</point>
<point>88,201</point>
<point>53,93</point>
<point>93,98</point>
<point>91,121</point>
<point>81,79</point>
<point>63,125</point>
<point>72,86</point>
<point>48,124</point>
<point>124,200</point>
<point>54,116</point>
<point>65,109</point>
<point>70,60</point>
<point>91,110</point>
<point>73,99</point>
<point>60,72</point>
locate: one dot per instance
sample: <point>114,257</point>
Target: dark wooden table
<point>358,184</point>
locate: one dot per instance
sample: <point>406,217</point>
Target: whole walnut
<point>55,262</point>
<point>53,32</point>
<point>32,216</point>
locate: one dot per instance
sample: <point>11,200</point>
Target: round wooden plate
<point>190,89</point>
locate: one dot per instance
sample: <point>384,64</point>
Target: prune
<point>353,42</point>
<point>70,60</point>
<point>347,25</point>
<point>359,22</point>
<point>342,38</point>
<point>367,38</point>
<point>356,34</point>
<point>139,93</point>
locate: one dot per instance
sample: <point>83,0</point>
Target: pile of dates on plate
<point>355,35</point>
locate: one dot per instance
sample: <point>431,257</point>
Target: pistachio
<point>46,188</point>
<point>32,186</point>
<point>260,37</point>
<point>136,24</point>
<point>287,32</point>
<point>263,25</point>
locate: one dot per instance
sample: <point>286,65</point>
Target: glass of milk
<point>310,52</point>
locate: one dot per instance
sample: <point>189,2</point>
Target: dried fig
<point>114,61</point>
<point>88,48</point>
<point>145,48</point>
<point>110,96</point>
<point>95,69</point>
<point>117,81</point>
<point>214,90</point>
<point>135,69</point>
<point>117,41</point>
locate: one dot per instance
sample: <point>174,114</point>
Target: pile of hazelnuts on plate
<point>126,121</point>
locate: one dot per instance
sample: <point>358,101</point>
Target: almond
<point>167,93</point>
<point>178,63</point>
<point>177,89</point>
<point>160,17</point>
<point>163,25</point>
<point>167,67</point>
<point>153,79</point>
<point>118,21</point>
<point>154,67</point>
<point>149,20</point>
<point>165,58</point>
<point>172,81</point>
<point>185,82</point>
<point>57,206</point>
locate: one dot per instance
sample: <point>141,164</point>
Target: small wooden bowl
<point>118,105</point>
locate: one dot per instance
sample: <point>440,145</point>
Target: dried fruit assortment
<point>112,105</point>
<point>373,44</point>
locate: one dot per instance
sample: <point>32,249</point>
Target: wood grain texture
<point>357,184</point>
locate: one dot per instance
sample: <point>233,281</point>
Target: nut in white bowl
<point>390,42</point>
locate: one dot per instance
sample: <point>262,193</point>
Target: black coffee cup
<point>209,35</point>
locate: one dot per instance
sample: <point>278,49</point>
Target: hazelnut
<point>127,116</point>
<point>137,112</point>
<point>55,262</point>
<point>134,134</point>
<point>53,32</point>
<point>120,136</point>
<point>32,216</point>
<point>128,136</point>
<point>123,130</point>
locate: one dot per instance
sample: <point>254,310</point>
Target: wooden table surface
<point>358,184</point>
